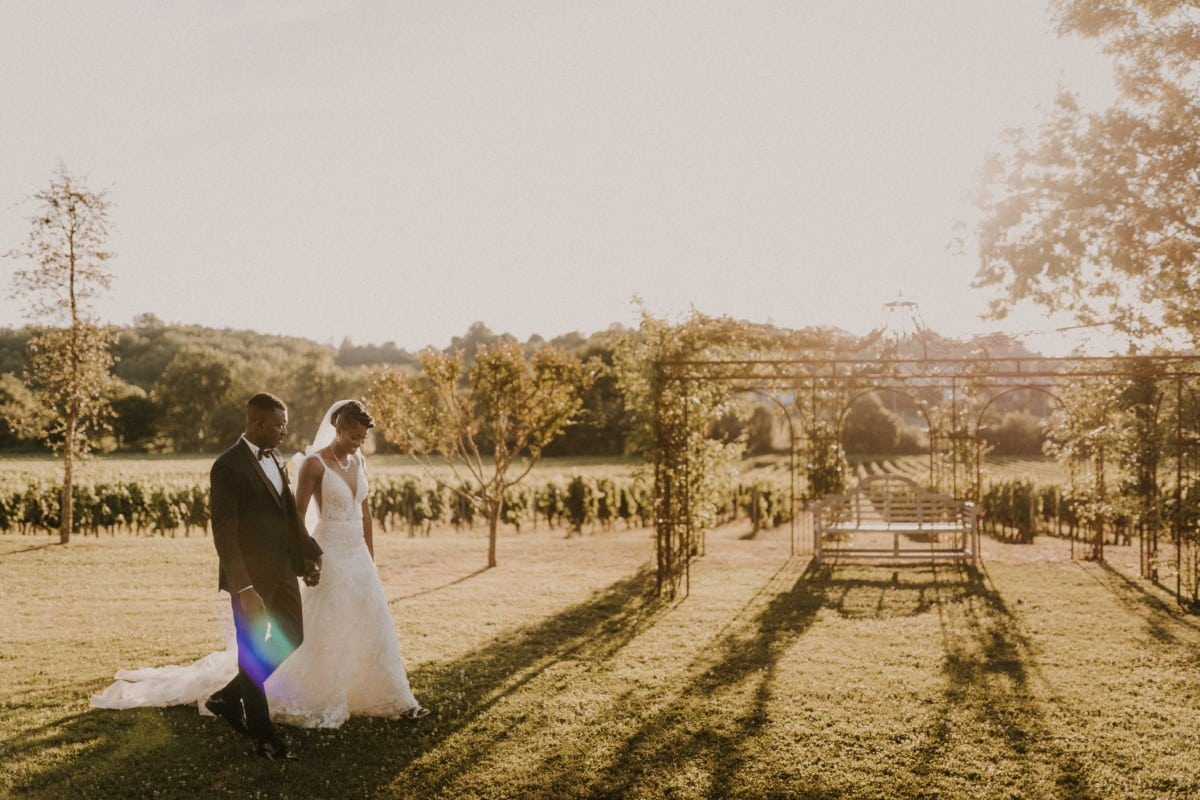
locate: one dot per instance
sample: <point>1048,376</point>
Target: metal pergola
<point>956,394</point>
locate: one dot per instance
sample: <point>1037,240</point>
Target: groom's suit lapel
<point>257,469</point>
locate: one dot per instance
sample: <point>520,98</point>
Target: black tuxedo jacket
<point>260,537</point>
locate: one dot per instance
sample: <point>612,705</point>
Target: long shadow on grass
<point>990,711</point>
<point>28,549</point>
<point>1160,615</point>
<point>440,587</point>
<point>705,734</point>
<point>712,738</point>
<point>174,752</point>
<point>708,734</point>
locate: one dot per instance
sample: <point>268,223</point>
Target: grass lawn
<point>556,675</point>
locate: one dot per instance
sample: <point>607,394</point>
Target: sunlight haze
<point>394,171</point>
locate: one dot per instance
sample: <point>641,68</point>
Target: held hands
<point>312,571</point>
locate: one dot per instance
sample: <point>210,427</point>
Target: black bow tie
<point>263,452</point>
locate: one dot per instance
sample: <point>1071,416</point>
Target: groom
<point>262,545</point>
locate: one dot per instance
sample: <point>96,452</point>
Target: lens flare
<point>259,656</point>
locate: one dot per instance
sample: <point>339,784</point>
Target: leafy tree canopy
<point>489,420</point>
<point>1098,213</point>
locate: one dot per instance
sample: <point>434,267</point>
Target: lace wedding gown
<point>350,661</point>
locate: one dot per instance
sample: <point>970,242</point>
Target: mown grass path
<point>556,675</point>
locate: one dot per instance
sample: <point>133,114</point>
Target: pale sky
<point>392,170</point>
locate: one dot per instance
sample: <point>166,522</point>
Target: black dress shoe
<point>229,710</point>
<point>274,750</point>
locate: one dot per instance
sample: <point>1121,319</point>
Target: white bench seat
<point>891,517</point>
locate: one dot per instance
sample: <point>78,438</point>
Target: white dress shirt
<point>267,464</point>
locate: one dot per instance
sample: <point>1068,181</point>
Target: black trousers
<point>261,651</point>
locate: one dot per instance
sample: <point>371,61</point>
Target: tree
<point>490,421</point>
<point>22,419</point>
<point>68,367</point>
<point>311,382</point>
<point>1016,433</point>
<point>602,425</point>
<point>869,427</point>
<point>135,418</point>
<point>193,395</point>
<point>1098,214</point>
<point>478,335</point>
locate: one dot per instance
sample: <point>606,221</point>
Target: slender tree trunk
<point>493,514</point>
<point>67,499</point>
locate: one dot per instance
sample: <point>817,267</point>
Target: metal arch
<point>920,404</point>
<point>787,415</point>
<point>1018,367</point>
<point>1010,390</point>
<point>1004,373</point>
<point>983,410</point>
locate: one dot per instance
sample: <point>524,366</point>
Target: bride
<point>350,660</point>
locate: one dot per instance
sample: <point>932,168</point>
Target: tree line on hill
<point>181,389</point>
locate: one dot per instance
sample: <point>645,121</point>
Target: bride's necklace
<point>338,461</point>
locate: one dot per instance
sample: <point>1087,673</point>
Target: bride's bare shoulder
<point>312,464</point>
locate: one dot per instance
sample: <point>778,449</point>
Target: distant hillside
<point>180,388</point>
<point>143,350</point>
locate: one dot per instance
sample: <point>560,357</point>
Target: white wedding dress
<point>350,661</point>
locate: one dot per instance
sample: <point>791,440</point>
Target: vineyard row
<point>409,503</point>
<point>1009,508</point>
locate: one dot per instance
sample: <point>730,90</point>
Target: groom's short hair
<point>264,402</point>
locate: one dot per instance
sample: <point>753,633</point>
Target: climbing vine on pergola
<point>1140,412</point>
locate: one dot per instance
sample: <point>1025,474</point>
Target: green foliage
<point>1094,213</point>
<point>602,423</point>
<point>1014,505</point>
<point>21,416</point>
<point>516,506</point>
<point>1016,433</point>
<point>135,419</point>
<point>868,427</point>
<point>672,417</point>
<point>825,462</point>
<point>486,417</point>
<point>749,420</point>
<point>195,393</point>
<point>67,373</point>
<point>1118,433</point>
<point>130,506</point>
<point>308,383</point>
<point>764,500</point>
<point>462,509</point>
<point>418,503</point>
<point>550,502</point>
<point>369,355</point>
<point>579,503</point>
<point>169,362</point>
<point>168,504</point>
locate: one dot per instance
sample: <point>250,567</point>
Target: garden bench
<point>890,517</point>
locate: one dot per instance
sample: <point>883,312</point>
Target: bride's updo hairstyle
<point>349,412</point>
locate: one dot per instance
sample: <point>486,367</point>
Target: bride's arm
<point>306,484</point>
<point>368,522</point>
